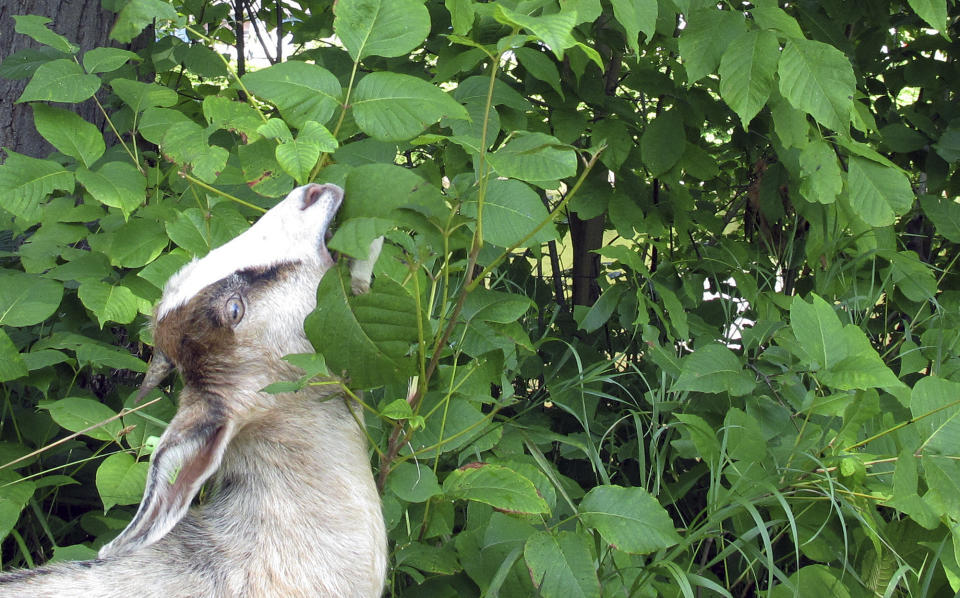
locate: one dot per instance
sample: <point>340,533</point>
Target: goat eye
<point>234,309</point>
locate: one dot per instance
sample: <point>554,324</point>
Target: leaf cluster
<point>666,306</point>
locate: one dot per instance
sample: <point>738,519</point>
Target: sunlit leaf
<point>60,81</point>
<point>77,414</point>
<point>121,480</point>
<point>36,27</point>
<point>746,73</point>
<point>818,79</point>
<point>495,485</point>
<point>381,27</point>
<point>394,107</point>
<point>300,90</point>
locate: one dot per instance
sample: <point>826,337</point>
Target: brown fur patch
<point>197,336</point>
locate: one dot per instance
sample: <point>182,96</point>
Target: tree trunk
<point>586,236</point>
<point>84,23</point>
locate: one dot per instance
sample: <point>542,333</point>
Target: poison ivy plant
<point>667,305</point>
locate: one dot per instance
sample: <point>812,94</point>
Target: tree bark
<point>586,236</point>
<point>84,23</point>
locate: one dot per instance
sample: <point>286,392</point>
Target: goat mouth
<point>334,254</point>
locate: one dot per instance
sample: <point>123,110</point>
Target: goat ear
<point>361,271</point>
<point>188,453</point>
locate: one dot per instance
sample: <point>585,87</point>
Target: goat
<point>293,509</point>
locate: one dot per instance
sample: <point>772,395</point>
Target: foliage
<point>760,394</point>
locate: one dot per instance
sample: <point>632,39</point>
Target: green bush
<point>754,389</point>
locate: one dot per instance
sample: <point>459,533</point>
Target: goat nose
<point>332,194</point>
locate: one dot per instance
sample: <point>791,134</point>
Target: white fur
<point>285,233</point>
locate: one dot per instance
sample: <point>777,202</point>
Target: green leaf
<point>186,143</point>
<point>354,236</point>
<point>11,363</point>
<point>554,30</point>
<point>136,15</point>
<point>121,480</point>
<point>300,90</point>
<point>862,368</point>
<point>746,73</point>
<point>912,277</point>
<point>388,28</point>
<point>790,124</point>
<point>155,123</point>
<point>663,142</point>
<point>395,107</point>
<point>297,157</point>
<point>27,299</point>
<point>616,134</point>
<point>25,184</point>
<point>815,580</point>
<point>76,414</point>
<point>377,190</point>
<point>822,178</point>
<point>561,565</point>
<point>89,351</point>
<point>877,193</point>
<point>597,315</point>
<point>934,12</point>
<point>133,245</point>
<point>462,14</point>
<point>15,493</point>
<point>948,144</point>
<point>69,133</point>
<point>428,558</point>
<point>22,64</point>
<point>698,163</point>
<point>636,16</point>
<point>109,303</point>
<point>495,485</point>
<point>714,368</point>
<point>817,78</point>
<point>539,66</point>
<point>495,306</point>
<point>36,360</point>
<point>36,27</point>
<point>771,16</point>
<point>141,96</point>
<point>374,331</point>
<point>703,437</point>
<point>945,215</point>
<point>115,184</point>
<point>536,158</point>
<point>314,132</point>
<point>224,113</point>
<point>905,498</point>
<point>60,81</point>
<point>107,60</point>
<point>413,482</point>
<point>629,519</point>
<point>277,129</point>
<point>817,328</point>
<point>745,440</point>
<point>939,430</point>
<point>190,231</point>
<point>511,212</point>
<point>706,38</point>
